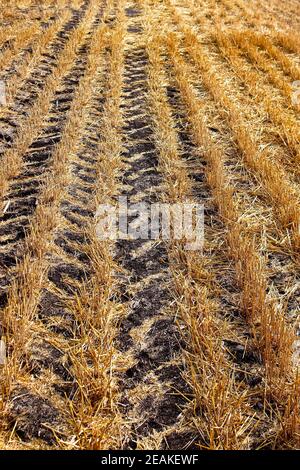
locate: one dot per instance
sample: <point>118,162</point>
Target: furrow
<point>41,60</point>
<point>23,93</point>
<point>250,269</point>
<point>153,392</point>
<point>197,293</point>
<point>282,192</point>
<point>38,366</point>
<point>259,88</point>
<point>23,193</point>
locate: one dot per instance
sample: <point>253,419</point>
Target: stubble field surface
<point>142,344</point>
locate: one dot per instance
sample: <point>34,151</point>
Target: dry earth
<point>142,344</point>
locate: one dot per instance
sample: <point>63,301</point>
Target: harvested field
<point>139,343</point>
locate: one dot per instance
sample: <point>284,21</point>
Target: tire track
<point>22,197</point>
<point>33,85</point>
<point>69,269</point>
<point>152,387</point>
<point>14,57</point>
<point>237,339</point>
<point>46,355</point>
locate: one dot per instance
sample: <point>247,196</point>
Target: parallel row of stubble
<point>27,336</point>
<point>32,123</point>
<point>252,19</point>
<point>264,42</point>
<point>269,117</point>
<point>23,40</point>
<point>270,101</point>
<point>257,47</point>
<point>39,48</point>
<point>282,192</point>
<point>250,91</point>
<point>227,12</point>
<point>19,38</point>
<point>283,16</point>
<point>95,406</point>
<point>257,44</point>
<point>222,423</point>
<point>273,338</point>
<point>262,52</point>
<point>258,15</point>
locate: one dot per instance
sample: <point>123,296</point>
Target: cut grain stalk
<point>270,103</point>
<point>22,40</point>
<point>273,337</point>
<point>31,271</point>
<point>40,47</point>
<point>209,374</point>
<point>95,415</point>
<point>12,160</point>
<point>283,194</point>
